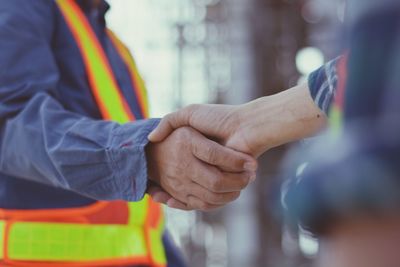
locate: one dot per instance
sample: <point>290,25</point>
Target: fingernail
<point>150,135</point>
<point>250,166</point>
<point>253,177</point>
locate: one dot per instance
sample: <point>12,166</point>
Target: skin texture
<point>252,128</point>
<point>197,172</point>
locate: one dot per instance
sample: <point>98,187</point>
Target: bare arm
<point>253,127</point>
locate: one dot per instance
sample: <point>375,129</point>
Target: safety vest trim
<point>137,81</point>
<point>48,236</point>
<point>102,82</point>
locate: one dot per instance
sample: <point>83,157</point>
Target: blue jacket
<point>55,151</point>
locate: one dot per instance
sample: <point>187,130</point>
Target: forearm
<point>99,159</point>
<point>41,139</point>
<point>278,119</point>
<point>254,127</point>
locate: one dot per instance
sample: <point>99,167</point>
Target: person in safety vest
<point>75,162</point>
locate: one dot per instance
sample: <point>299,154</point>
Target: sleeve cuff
<point>128,158</point>
<point>323,85</point>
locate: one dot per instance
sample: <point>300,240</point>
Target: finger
<point>176,204</point>
<point>217,181</point>
<point>178,190</point>
<point>158,194</point>
<point>168,124</point>
<point>198,204</point>
<point>222,157</point>
<point>210,197</point>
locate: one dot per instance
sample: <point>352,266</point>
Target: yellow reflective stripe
<point>142,91</point>
<point>158,252</point>
<point>139,216</point>
<point>141,88</point>
<point>74,242</point>
<point>138,211</point>
<point>336,119</point>
<point>138,83</point>
<point>2,236</point>
<point>102,80</point>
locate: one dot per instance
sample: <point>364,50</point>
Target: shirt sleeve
<point>323,85</point>
<point>43,142</point>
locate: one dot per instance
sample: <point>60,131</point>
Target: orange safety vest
<point>113,233</point>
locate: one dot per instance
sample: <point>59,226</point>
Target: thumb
<point>162,131</point>
<point>168,124</point>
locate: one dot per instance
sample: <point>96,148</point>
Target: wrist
<point>152,170</point>
<point>257,124</point>
<point>278,119</point>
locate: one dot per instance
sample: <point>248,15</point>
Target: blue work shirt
<point>55,150</point>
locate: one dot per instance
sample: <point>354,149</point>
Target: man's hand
<point>195,172</point>
<point>252,128</point>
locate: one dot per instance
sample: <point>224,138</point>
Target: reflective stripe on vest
<point>39,238</point>
<point>137,81</point>
<point>69,237</point>
<point>102,82</point>
<point>336,111</point>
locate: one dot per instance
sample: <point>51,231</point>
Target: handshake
<point>202,156</point>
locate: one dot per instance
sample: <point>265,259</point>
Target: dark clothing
<point>323,85</point>
<point>55,151</point>
<point>355,173</point>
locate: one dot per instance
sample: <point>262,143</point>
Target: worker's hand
<point>254,127</point>
<point>192,172</point>
<point>223,123</point>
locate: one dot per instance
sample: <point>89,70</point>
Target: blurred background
<point>231,51</point>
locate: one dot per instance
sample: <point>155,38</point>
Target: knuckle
<point>182,133</point>
<point>210,197</point>
<point>238,162</point>
<point>216,183</point>
<point>205,195</point>
<point>217,198</point>
<point>168,118</point>
<point>211,154</point>
<point>204,206</point>
<point>195,149</point>
<point>243,180</point>
<point>173,119</point>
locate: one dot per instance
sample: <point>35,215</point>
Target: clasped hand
<point>191,171</point>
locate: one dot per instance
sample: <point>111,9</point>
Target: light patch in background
<point>309,246</point>
<point>165,38</point>
<point>150,41</point>
<point>309,59</point>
